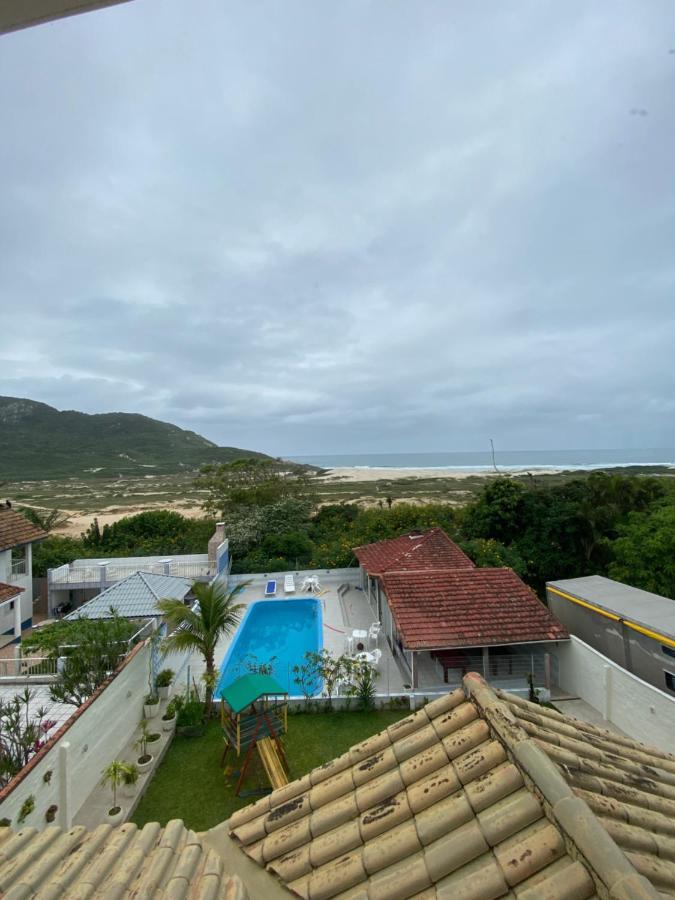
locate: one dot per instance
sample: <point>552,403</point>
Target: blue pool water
<point>276,631</point>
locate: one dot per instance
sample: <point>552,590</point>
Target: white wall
<point>640,710</point>
<point>95,738</point>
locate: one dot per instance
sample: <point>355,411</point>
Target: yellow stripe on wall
<point>596,609</point>
<point>652,634</point>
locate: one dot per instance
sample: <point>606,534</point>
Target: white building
<point>17,535</point>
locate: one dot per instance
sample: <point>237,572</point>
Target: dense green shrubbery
<point>154,533</point>
<point>621,526</point>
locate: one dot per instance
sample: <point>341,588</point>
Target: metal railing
<point>18,570</point>
<point>98,574</point>
<point>514,668</point>
<point>29,666</point>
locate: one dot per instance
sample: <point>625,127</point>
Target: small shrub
<point>364,686</point>
<point>190,714</point>
<point>131,774</point>
<point>164,678</point>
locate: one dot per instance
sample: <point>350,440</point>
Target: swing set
<point>254,715</point>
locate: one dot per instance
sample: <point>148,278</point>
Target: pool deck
<point>340,616</point>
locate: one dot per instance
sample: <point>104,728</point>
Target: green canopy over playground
<point>249,688</point>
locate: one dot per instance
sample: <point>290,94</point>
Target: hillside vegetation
<point>38,442</point>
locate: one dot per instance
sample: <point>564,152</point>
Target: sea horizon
<point>482,459</point>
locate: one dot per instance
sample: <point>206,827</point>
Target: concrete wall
<point>642,711</point>
<point>97,734</point>
<point>636,652</point>
<point>7,620</point>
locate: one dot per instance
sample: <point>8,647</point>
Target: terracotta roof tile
<point>9,591</point>
<point>120,862</point>
<point>454,608</point>
<point>16,530</point>
<point>415,551</point>
<point>464,799</point>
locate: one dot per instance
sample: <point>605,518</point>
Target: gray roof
<point>651,611</point>
<point>134,597</point>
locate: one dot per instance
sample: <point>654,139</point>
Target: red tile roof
<point>16,530</point>
<point>416,551</point>
<point>9,591</point>
<point>467,607</point>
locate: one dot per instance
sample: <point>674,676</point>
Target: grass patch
<point>190,785</point>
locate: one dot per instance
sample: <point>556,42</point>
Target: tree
<point>200,629</point>
<point>114,775</point>
<point>644,553</point>
<point>54,551</point>
<point>46,519</point>
<point>488,553</point>
<point>247,483</point>
<point>91,650</point>
<point>159,531</point>
<point>21,734</point>
<point>502,512</point>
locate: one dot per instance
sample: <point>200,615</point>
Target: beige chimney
<point>215,542</point>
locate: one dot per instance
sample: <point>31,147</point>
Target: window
<point>670,681</point>
<point>669,651</point>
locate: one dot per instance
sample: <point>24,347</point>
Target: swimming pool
<point>279,632</point>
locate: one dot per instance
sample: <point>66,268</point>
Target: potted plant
<point>113,774</point>
<point>145,759</point>
<point>169,717</point>
<point>130,778</point>
<point>163,683</point>
<point>150,706</point>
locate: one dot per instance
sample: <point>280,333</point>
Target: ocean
<point>505,459</point>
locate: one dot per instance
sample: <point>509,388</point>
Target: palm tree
<point>200,629</point>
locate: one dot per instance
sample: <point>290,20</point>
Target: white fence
<point>640,710</point>
<point>28,667</point>
<point>104,575</point>
<point>66,775</point>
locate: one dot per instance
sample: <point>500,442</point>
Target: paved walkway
<point>94,810</point>
<point>569,705</point>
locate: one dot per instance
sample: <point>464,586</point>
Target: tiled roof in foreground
<point>467,608</point>
<point>431,549</point>
<point>474,796</point>
<point>122,861</point>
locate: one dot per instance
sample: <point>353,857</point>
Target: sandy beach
<point>357,474</point>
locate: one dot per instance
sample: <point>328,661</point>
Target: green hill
<point>38,441</point>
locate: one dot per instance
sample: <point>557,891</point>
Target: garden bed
<point>191,785</point>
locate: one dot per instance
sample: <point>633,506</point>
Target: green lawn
<point>190,784</point>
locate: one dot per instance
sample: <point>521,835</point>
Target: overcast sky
<point>341,227</point>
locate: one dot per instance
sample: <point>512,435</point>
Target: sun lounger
<point>289,584</point>
<point>271,588</point>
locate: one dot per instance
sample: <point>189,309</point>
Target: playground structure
<point>254,715</point>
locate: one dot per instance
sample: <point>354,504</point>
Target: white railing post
<point>607,685</point>
<point>64,785</point>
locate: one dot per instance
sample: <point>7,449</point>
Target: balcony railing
<point>96,574</point>
<point>27,667</point>
<point>19,569</point>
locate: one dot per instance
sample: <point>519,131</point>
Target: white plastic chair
<point>374,633</point>
<point>289,584</point>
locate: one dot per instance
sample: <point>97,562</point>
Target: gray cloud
<point>382,226</point>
